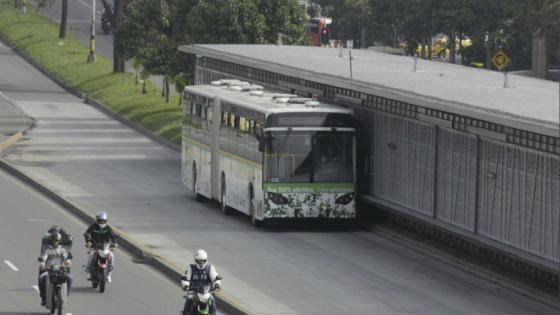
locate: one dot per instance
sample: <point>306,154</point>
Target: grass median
<point>36,37</point>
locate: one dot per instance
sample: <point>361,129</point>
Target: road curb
<point>10,141</point>
<point>159,262</point>
<point>92,102</point>
<point>464,266</point>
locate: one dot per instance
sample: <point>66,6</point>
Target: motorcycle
<point>202,301</point>
<point>103,254</point>
<point>56,293</point>
<point>105,22</point>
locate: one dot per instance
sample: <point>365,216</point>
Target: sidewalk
<point>12,119</point>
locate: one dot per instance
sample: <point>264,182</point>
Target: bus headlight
<point>345,199</point>
<point>277,199</point>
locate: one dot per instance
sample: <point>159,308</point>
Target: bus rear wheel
<point>197,196</point>
<point>225,209</point>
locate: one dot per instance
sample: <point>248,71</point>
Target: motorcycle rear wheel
<point>53,304</point>
<point>59,302</point>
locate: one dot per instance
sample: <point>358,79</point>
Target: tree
<point>225,21</point>
<point>118,58</point>
<point>541,18</point>
<point>282,18</point>
<point>151,30</point>
<point>314,10</point>
<point>63,18</point>
<point>351,19</point>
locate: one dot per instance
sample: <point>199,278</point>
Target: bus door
<point>215,147</point>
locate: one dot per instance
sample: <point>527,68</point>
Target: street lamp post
<point>91,56</point>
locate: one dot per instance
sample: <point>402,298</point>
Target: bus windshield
<point>309,156</point>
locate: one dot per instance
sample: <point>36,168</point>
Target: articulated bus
<point>268,155</point>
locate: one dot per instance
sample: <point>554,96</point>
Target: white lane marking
<point>38,220</point>
<point>82,2</point>
<point>68,313</point>
<point>4,96</point>
<point>70,157</point>
<point>46,132</point>
<point>36,288</point>
<point>12,266</point>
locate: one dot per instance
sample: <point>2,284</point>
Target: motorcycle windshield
<point>204,289</point>
<point>102,246</point>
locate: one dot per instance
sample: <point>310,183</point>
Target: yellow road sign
<point>500,60</point>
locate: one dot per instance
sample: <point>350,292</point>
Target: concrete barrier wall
<point>518,198</point>
<point>404,161</point>
<point>456,178</point>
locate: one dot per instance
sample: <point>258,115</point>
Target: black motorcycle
<point>106,22</point>
<point>56,293</point>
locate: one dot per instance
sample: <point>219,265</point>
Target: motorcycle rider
<point>99,232</point>
<point>55,228</point>
<point>201,274</point>
<point>54,255</point>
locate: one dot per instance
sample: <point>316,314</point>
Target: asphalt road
<point>25,216</point>
<point>99,163</point>
<point>79,21</point>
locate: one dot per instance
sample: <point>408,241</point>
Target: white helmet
<point>101,219</point>
<point>200,258</point>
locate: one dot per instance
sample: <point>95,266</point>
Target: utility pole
<point>91,56</point>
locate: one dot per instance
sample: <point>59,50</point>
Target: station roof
<point>528,104</point>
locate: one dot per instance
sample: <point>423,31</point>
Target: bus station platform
<point>455,148</point>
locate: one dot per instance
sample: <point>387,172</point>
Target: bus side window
<point>209,115</point>
<point>252,127</point>
<point>243,124</point>
<point>236,122</point>
<point>247,126</point>
<point>224,118</point>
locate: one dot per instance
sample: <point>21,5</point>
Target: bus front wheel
<point>252,212</point>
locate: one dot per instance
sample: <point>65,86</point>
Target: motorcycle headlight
<point>104,253</point>
<point>277,199</point>
<point>345,199</point>
<point>203,297</point>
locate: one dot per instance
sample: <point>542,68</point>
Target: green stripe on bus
<point>309,187</point>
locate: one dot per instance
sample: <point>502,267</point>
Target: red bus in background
<point>313,29</point>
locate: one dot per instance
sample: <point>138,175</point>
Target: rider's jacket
<point>97,234</point>
<point>201,277</point>
<point>54,256</point>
